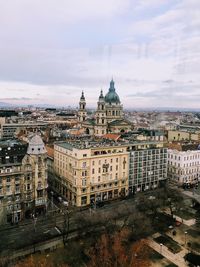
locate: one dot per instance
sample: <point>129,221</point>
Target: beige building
<point>23,179</point>
<point>91,172</point>
<point>183,135</point>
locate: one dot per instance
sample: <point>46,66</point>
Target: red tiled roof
<point>112,136</point>
<point>50,151</point>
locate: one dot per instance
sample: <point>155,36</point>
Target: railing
<point>39,202</point>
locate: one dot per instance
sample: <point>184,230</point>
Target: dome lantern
<point>112,97</point>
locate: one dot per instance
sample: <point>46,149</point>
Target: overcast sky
<point>51,50</point>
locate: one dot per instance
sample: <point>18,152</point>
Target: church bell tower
<point>82,113</point>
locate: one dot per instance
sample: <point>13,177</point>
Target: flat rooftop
<point>11,143</point>
<point>90,144</point>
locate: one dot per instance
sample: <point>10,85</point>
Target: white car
<point>65,203</point>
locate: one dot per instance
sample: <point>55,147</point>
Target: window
<point>8,189</point>
<point>40,193</point>
<point>28,187</point>
<point>17,188</point>
<point>84,155</point>
<point>92,171</point>
<point>84,164</point>
<point>83,200</point>
<point>84,182</point>
<point>99,170</point>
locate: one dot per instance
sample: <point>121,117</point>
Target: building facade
<point>147,168</point>
<point>23,179</point>
<point>90,171</point>
<point>184,135</point>
<point>184,166</point>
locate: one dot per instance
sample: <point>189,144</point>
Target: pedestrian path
<point>177,259</point>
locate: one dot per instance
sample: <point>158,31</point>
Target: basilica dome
<point>112,97</point>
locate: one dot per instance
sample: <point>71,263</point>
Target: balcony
<point>40,202</point>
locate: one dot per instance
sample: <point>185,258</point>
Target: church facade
<point>109,116</point>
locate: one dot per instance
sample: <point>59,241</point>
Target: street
<point>47,227</point>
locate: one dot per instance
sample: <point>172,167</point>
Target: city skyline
<point>50,52</point>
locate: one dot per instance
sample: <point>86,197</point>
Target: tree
<point>172,198</point>
<point>115,251</point>
<point>33,262</point>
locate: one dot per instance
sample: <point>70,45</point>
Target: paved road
<point>26,234</point>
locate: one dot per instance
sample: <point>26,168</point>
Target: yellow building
<point>183,135</point>
<point>92,171</point>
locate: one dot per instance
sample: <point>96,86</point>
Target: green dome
<point>112,96</point>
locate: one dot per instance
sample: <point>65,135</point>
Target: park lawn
<point>195,246</point>
<point>194,233</point>
<point>185,214</point>
<point>167,241</point>
<point>193,258</point>
<point>154,255</point>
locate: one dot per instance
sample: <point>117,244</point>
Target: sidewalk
<point>175,258</point>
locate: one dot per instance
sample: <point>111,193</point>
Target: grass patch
<point>169,243</point>
<point>185,214</point>
<point>193,233</point>
<point>195,246</point>
<point>193,258</point>
<point>154,255</point>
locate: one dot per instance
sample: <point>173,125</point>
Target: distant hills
<point>5,105</point>
<point>161,109</point>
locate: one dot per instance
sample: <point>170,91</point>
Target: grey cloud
<point>18,99</point>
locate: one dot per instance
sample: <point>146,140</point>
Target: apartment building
<point>23,179</point>
<point>184,135</point>
<point>8,130</point>
<point>184,166</point>
<point>147,168</point>
<point>92,171</point>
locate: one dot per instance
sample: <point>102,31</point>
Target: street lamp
<point>161,245</point>
<point>185,236</point>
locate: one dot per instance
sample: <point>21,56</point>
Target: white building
<point>184,166</point>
